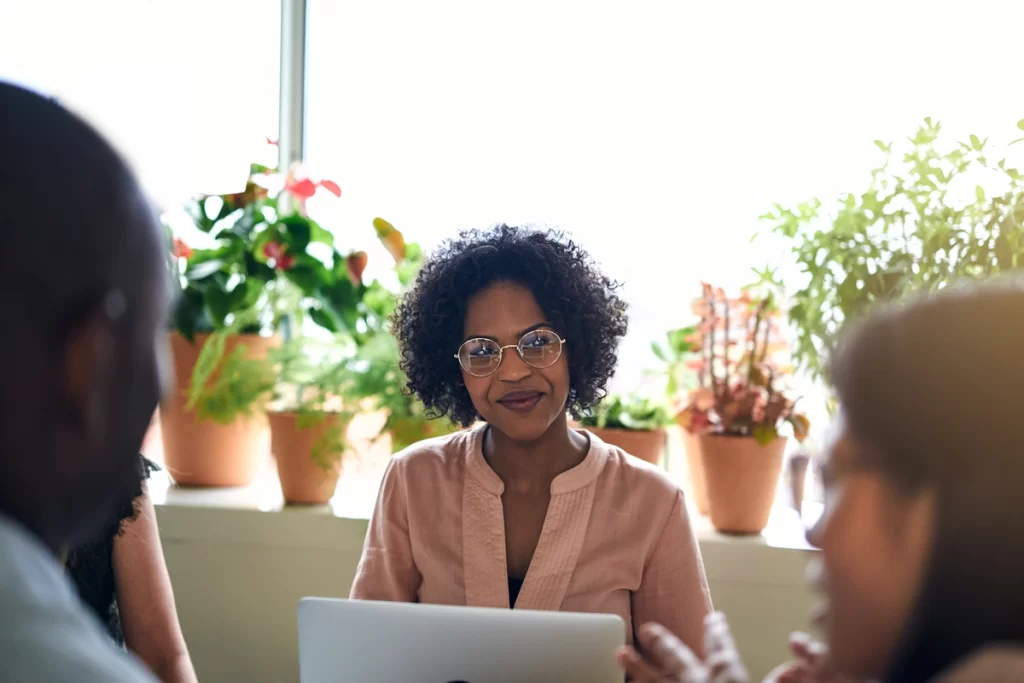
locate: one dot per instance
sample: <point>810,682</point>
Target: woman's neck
<point>530,467</point>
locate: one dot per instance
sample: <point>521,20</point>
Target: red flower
<point>276,253</point>
<point>302,189</point>
<point>331,187</point>
<point>182,250</point>
<point>356,264</point>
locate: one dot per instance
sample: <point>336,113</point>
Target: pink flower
<point>276,252</point>
<point>182,250</point>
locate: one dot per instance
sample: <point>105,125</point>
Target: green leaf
<point>976,143</point>
<point>305,277</point>
<point>318,234</point>
<point>219,303</point>
<point>659,352</point>
<point>323,319</point>
<point>764,434</point>
<point>297,232</point>
<point>1020,124</point>
<point>979,192</point>
<point>203,269</point>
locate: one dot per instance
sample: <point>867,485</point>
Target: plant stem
<point>753,344</point>
<point>725,341</point>
<point>711,344</point>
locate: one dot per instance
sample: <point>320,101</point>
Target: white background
<point>655,131</point>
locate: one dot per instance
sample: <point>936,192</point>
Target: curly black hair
<point>578,300</point>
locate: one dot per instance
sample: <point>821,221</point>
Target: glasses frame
<point>501,352</point>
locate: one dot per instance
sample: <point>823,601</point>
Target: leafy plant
<point>627,412</point>
<point>260,264</point>
<point>226,388</point>
<point>908,230</point>
<point>311,377</point>
<point>739,393</point>
<point>375,376</point>
<point>680,355</point>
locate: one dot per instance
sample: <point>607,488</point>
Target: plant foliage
<point>930,215</point>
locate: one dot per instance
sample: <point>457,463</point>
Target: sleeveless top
<point>91,565</point>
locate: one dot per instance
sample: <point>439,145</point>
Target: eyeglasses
<point>481,357</point>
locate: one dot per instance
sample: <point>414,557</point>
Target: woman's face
<point>875,543</point>
<point>520,401</point>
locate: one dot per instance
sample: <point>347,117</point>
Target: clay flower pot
<point>698,485</point>
<point>742,477</point>
<point>649,446</point>
<point>303,480</point>
<point>203,453</point>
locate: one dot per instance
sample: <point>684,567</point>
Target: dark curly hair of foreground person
<point>578,300</point>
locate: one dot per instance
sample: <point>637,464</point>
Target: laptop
<point>342,641</point>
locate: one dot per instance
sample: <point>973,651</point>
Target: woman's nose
<point>513,368</point>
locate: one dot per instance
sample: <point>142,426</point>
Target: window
<point>656,131</point>
<point>187,89</point>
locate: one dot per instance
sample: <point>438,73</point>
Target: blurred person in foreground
<point>85,299</point>
<point>922,535</point>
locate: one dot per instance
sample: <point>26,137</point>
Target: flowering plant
<point>257,260</point>
<point>736,344</point>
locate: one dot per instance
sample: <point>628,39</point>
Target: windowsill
<point>357,494</point>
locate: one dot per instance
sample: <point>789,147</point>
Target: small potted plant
<point>739,408</point>
<point>234,291</point>
<point>308,421</point>
<point>376,381</point>
<point>634,424</point>
<point>682,360</point>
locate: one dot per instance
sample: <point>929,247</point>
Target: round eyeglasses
<point>481,357</point>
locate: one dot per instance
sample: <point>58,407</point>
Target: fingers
<point>807,649</point>
<point>796,672</point>
<point>636,668</point>
<point>723,660</point>
<point>667,652</point>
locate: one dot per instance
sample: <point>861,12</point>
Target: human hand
<point>668,660</point>
<point>811,664</point>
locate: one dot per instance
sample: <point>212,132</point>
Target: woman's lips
<point>520,401</point>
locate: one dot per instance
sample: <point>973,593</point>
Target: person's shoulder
<point>997,664</point>
<point>45,635</point>
<point>49,646</point>
<point>641,479</point>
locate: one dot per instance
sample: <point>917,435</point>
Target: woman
<point>921,538</point>
<point>514,327</point>
<point>122,577</point>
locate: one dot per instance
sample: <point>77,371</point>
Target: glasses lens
<point>540,348</point>
<point>479,356</point>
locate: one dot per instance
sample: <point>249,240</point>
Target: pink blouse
<point>616,539</point>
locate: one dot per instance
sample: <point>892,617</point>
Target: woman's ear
<point>88,367</point>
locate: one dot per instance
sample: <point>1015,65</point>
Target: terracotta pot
<point>742,477</point>
<point>303,481</point>
<point>202,453</point>
<point>698,485</point>
<point>649,446</point>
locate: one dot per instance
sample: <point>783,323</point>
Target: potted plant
<point>738,409</point>
<point>308,421</point>
<point>376,379</point>
<point>634,424</point>
<point>681,358</point>
<point>913,227</point>
<point>255,264</point>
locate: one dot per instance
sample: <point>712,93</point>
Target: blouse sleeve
<point>387,570</point>
<point>673,590</point>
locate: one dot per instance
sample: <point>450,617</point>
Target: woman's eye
<point>482,352</point>
<point>539,340</point>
